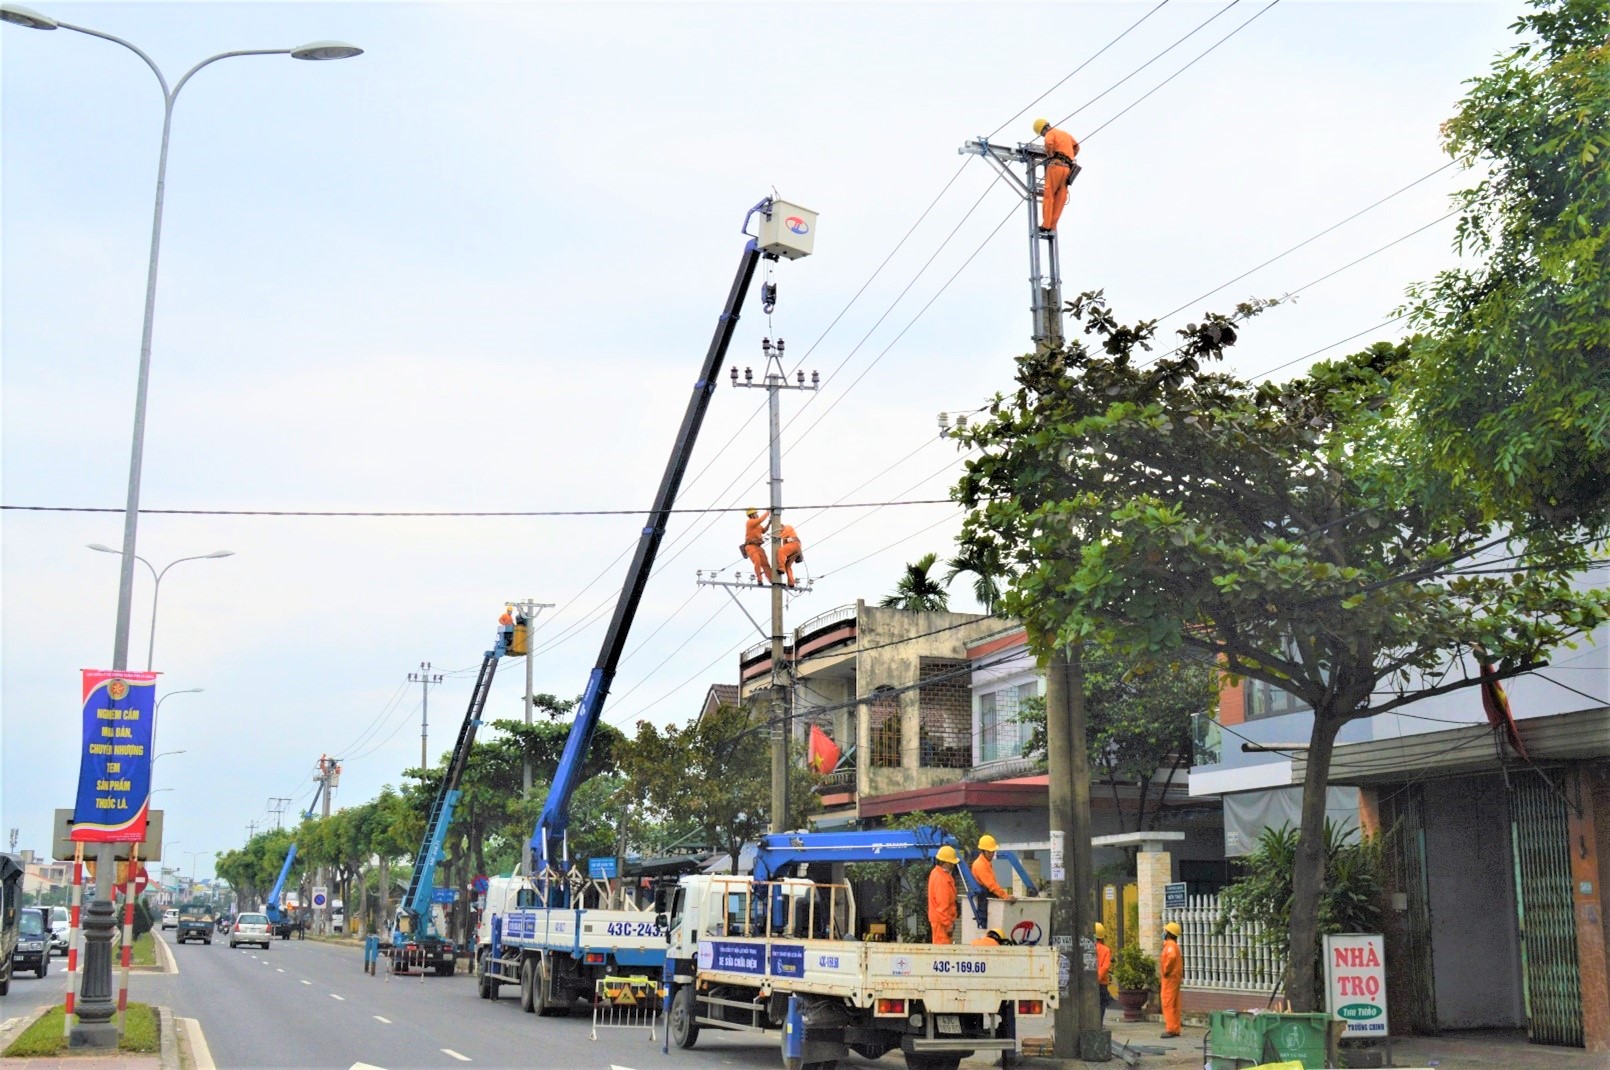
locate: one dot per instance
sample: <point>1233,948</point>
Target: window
<point>883,720</point>
<point>1000,733</point>
<point>1266,700</point>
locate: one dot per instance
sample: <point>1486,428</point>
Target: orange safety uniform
<point>1103,963</point>
<point>984,874</point>
<point>1060,151</point>
<point>506,620</point>
<point>754,546</point>
<point>788,552</point>
<point>1171,968</point>
<point>986,941</point>
<point>941,903</point>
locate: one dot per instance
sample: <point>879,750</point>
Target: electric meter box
<point>790,231</point>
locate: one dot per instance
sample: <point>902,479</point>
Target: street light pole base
<point>93,1035</point>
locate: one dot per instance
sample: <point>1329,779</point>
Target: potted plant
<point>1135,972</point>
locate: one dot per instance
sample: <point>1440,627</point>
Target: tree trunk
<point>383,922</point>
<point>1308,874</point>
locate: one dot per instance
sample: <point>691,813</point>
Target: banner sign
<point>1355,982</point>
<point>114,771</point>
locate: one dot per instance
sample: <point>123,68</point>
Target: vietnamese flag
<point>823,754</point>
<point>1496,703</point>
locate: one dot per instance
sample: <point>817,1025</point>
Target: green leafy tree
<point>1510,389</point>
<point>917,590</point>
<point>1350,896</point>
<point>986,573</point>
<point>1161,508</point>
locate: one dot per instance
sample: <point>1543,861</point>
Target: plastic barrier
<point>625,1003</point>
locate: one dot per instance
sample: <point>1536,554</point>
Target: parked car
<point>61,924</point>
<point>170,918</point>
<point>251,929</point>
<point>33,940</point>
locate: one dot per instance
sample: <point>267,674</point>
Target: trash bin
<point>1238,1040</point>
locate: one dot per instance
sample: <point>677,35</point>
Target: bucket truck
<point>537,931</point>
<point>281,920</point>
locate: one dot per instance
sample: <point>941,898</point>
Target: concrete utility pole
<point>527,611</point>
<point>424,678</point>
<point>329,777</point>
<point>1076,1024</point>
<point>774,380</point>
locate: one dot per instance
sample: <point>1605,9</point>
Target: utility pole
<point>251,830</point>
<point>424,678</point>
<point>329,778</point>
<point>276,806</point>
<point>526,614</point>
<point>1076,1025</point>
<point>774,380</point>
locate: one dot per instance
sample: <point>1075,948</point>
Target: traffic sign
<point>479,884</point>
<point>321,897</point>
<point>444,895</point>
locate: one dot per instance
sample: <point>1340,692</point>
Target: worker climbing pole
<point>786,550</point>
<point>1048,170</point>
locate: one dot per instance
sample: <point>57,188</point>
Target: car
<point>61,923</point>
<point>33,940</point>
<point>251,929</point>
<point>170,918</point>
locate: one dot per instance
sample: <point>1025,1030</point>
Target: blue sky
<point>476,267</point>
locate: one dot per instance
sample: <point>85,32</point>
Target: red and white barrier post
<point>128,936</point>
<point>73,938</point>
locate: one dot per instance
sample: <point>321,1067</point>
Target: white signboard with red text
<point>1355,982</point>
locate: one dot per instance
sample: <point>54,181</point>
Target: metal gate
<point>1404,813</point>
<point>1549,967</point>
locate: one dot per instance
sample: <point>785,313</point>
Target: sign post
<point>1355,982</point>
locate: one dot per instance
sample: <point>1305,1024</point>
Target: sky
<point>476,269</point>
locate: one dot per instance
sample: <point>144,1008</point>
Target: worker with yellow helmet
<point>1060,149</point>
<point>990,938</point>
<point>942,895</point>
<point>984,869</point>
<point>1171,970</point>
<point>1103,968</point>
<point>754,544</point>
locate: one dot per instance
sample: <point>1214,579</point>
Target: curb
<point>15,1027</point>
<point>169,1039</point>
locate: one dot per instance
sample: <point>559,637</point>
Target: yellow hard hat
<point>1173,927</point>
<point>986,842</point>
<point>996,933</point>
<point>1040,125</point>
<point>751,512</point>
<point>1101,931</point>
<point>947,853</point>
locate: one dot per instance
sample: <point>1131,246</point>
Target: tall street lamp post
<point>156,589</point>
<point>95,1006</point>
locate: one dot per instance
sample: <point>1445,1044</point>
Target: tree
<point>905,884</point>
<point>716,773</point>
<point>917,591</point>
<point>1510,387</point>
<point>1159,509</point>
<point>1138,721</point>
<point>986,574</point>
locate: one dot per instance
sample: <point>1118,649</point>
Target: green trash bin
<point>1237,1039</point>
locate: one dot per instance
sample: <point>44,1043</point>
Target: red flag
<point>1496,703</point>
<point>823,754</point>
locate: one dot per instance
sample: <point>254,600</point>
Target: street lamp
<point>158,709</point>
<point>156,589</point>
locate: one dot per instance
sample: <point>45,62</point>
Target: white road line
<point>383,1021</point>
<point>307,982</point>
<point>343,999</point>
<point>364,1066</point>
<point>198,1044</point>
<point>456,1055</point>
<point>279,969</point>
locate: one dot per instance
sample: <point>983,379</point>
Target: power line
<point>431,513</point>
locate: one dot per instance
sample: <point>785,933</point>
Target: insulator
<point>800,378</point>
<point>735,375</point>
<point>944,424</point>
<point>780,345</point>
<point>765,346</point>
<point>813,378</point>
<point>961,421</point>
<point>749,375</point>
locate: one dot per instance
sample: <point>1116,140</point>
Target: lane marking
<point>343,999</point>
<point>198,1044</point>
<point>279,969</point>
<point>456,1055</point>
<point>384,1021</point>
<point>365,1066</point>
<point>307,982</point>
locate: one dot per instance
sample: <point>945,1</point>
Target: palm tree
<point>985,566</point>
<point>917,591</point>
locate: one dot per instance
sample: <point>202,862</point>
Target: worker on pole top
<point>789,552</point>
<point>984,869</point>
<point>754,544</point>
<point>1060,149</point>
<point>942,895</point>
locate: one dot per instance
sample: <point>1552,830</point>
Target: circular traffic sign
<point>320,899</point>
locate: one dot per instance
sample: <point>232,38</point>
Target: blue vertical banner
<point>114,770</point>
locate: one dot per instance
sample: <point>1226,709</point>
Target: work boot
<point>1165,1036</point>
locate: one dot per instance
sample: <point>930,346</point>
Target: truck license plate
<point>949,1023</point>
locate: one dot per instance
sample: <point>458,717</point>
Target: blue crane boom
<point>548,844</point>
<point>272,907</point>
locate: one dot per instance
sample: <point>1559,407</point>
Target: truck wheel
<point>528,985</point>
<point>683,1026</point>
<point>483,983</point>
<point>44,965</point>
<point>5,982</point>
<point>549,1005</point>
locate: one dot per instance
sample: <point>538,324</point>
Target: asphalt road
<point>309,1004</point>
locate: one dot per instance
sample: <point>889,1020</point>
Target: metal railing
<point>1235,960</point>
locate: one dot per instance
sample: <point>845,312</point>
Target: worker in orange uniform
<point>1103,968</point>
<point>789,551</point>
<point>942,895</point>
<point>1060,149</point>
<point>507,619</point>
<point>754,544</point>
<point>984,869</point>
<point>991,938</point>
<point>1171,968</point>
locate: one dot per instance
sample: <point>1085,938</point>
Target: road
<point>309,1004</point>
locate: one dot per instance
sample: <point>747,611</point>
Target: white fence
<point>1233,960</point>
